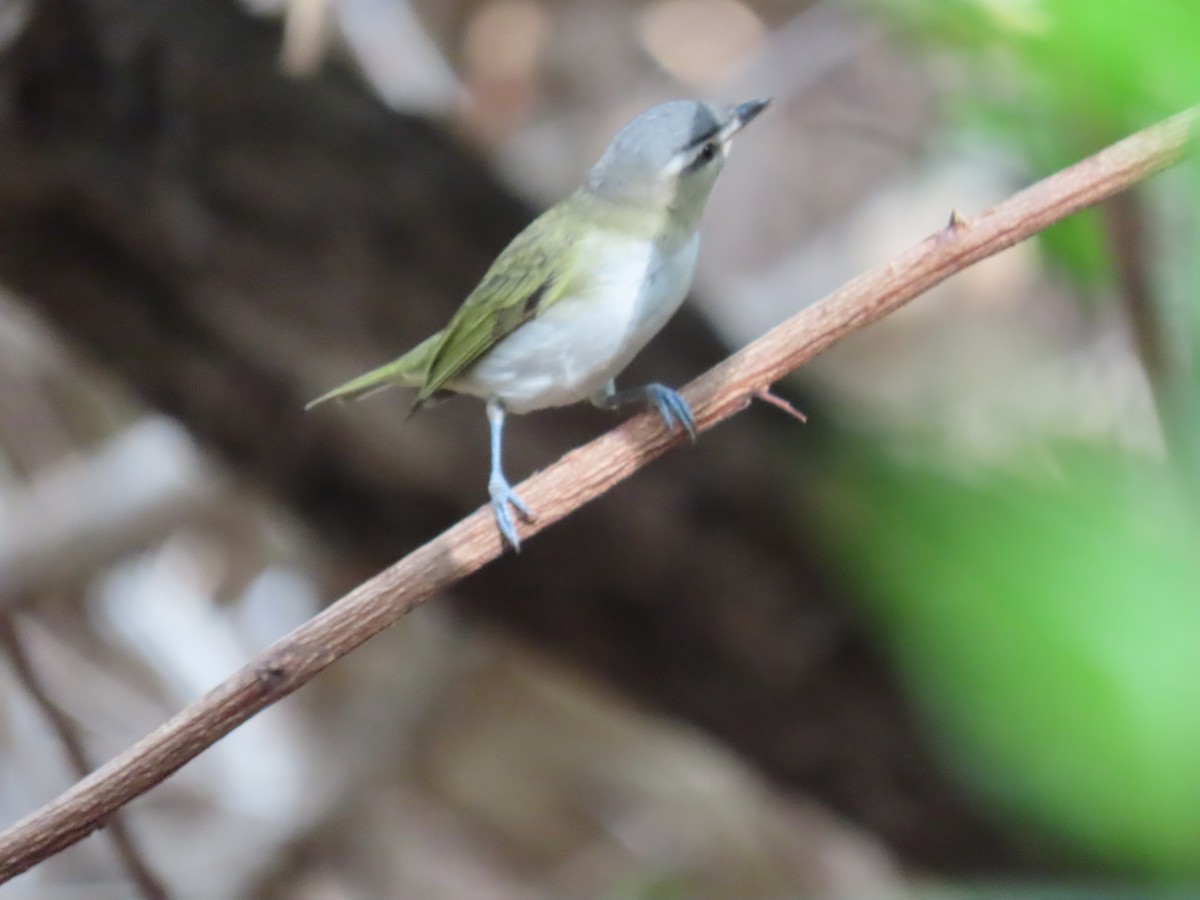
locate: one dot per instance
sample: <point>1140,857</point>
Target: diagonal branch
<point>577,478</point>
<point>140,875</point>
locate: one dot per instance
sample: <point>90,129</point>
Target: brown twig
<point>1128,226</point>
<point>1129,243</point>
<point>139,872</point>
<point>577,478</point>
<point>779,403</point>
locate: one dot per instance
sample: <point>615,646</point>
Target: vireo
<point>580,291</point>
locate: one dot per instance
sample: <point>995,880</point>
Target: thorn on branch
<point>778,402</point>
<point>957,221</point>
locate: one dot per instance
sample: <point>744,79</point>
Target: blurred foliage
<point>1058,79</point>
<point>1051,633</point>
<point>1050,626</point>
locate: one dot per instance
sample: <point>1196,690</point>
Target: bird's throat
<point>633,219</point>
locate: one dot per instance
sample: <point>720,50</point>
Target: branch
<point>140,875</point>
<point>577,478</point>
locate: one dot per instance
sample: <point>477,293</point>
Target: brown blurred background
<point>211,212</point>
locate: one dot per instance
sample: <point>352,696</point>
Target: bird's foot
<point>675,411</point>
<point>504,502</point>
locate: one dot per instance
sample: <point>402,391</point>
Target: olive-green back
<point>536,269</point>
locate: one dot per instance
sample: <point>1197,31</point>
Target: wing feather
<point>535,270</point>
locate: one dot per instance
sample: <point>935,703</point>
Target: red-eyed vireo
<point>580,291</point>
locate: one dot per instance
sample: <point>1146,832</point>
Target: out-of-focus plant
<point>1056,79</point>
<point>1051,632</point>
<point>1059,78</point>
<point>1049,624</point>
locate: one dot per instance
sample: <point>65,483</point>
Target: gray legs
<point>503,496</point>
<point>675,412</point>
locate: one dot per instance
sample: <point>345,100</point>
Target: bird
<point>581,290</point>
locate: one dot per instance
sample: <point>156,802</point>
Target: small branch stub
<point>779,403</point>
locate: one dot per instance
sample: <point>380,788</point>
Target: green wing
<point>534,271</point>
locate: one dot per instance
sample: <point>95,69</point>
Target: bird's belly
<point>581,342</point>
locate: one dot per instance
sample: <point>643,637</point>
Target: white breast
<point>574,348</point>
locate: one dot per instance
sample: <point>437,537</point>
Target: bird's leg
<point>673,408</point>
<point>502,494</point>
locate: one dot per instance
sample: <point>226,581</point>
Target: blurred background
<point>943,641</point>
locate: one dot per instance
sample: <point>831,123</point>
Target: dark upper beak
<point>743,113</point>
<point>747,111</point>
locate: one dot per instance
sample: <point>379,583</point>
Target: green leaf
<point>1051,634</point>
<point>1057,80</point>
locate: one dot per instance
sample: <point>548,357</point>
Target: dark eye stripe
<point>707,136</point>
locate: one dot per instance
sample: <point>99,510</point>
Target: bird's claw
<point>675,411</point>
<point>504,501</point>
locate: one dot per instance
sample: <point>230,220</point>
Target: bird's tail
<point>407,371</point>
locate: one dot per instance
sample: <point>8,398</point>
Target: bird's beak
<point>742,115</point>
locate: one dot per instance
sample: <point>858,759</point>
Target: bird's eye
<point>702,157</point>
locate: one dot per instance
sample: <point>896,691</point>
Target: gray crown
<point>643,147</point>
